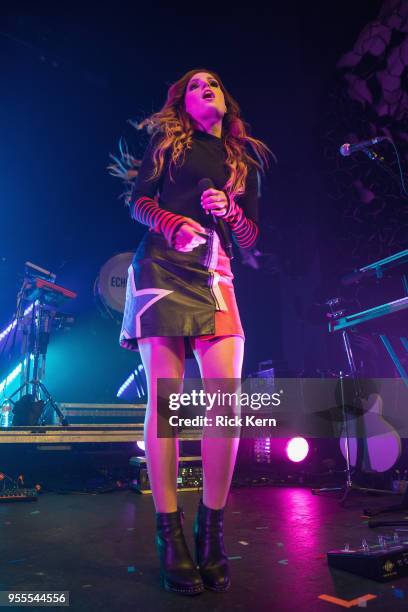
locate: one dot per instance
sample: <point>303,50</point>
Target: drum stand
<point>35,349</point>
<point>349,485</point>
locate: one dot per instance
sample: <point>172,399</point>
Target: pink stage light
<point>297,449</point>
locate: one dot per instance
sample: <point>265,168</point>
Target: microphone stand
<point>380,161</point>
<point>403,506</point>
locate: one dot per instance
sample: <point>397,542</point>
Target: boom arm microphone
<point>203,185</point>
<point>348,149</point>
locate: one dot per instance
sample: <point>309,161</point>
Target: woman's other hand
<point>214,202</point>
<point>186,238</point>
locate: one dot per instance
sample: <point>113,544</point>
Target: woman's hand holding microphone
<point>214,202</point>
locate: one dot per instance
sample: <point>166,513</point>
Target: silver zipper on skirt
<point>211,264</point>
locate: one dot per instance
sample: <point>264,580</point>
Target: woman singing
<point>180,298</point>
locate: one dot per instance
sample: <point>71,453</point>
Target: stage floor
<point>101,549</point>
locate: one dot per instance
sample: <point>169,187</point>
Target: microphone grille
<point>204,184</point>
<point>345,149</point>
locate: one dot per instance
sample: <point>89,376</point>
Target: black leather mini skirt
<point>170,293</point>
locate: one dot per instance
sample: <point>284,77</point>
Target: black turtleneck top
<point>163,203</point>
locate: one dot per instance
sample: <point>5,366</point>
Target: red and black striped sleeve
<point>147,211</point>
<point>143,206</point>
<point>242,216</point>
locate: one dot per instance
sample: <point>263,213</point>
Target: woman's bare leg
<point>219,359</point>
<point>162,357</point>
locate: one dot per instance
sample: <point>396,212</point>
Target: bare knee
<point>222,358</point>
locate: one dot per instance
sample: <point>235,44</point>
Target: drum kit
<point>110,285</point>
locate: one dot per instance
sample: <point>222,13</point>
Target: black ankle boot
<point>178,571</point>
<point>209,544</point>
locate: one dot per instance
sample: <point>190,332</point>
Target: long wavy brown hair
<point>176,127</point>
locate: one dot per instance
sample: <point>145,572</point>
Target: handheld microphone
<point>203,185</point>
<point>348,149</point>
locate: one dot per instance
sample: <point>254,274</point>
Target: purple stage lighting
<point>297,449</point>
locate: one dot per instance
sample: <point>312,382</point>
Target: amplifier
<point>18,494</point>
<point>384,561</point>
<point>103,414</point>
<point>190,474</point>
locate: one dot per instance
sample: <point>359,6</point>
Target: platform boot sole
<point>217,589</point>
<point>188,591</point>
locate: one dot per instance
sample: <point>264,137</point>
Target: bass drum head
<point>110,286</point>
